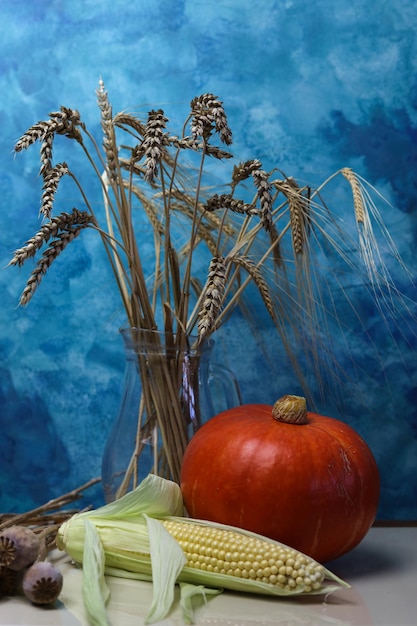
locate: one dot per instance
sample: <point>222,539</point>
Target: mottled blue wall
<point>308,87</point>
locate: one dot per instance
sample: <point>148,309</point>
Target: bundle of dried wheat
<point>260,230</point>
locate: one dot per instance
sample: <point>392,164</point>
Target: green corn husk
<point>129,538</point>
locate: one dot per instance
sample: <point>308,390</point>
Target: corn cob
<point>144,535</point>
<point>232,554</point>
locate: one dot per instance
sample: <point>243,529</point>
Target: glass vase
<point>170,388</point>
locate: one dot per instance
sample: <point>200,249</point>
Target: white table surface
<point>382,572</point>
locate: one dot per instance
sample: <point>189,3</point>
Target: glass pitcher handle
<point>226,381</point>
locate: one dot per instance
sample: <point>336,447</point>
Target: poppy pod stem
<point>290,409</point>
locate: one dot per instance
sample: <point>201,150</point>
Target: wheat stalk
<point>260,178</point>
<point>63,122</point>
<point>62,222</point>
<point>149,205</point>
<point>109,140</point>
<point>208,114</point>
<point>299,212</point>
<point>127,121</point>
<point>256,274</point>
<point>358,203</point>
<point>67,122</point>
<point>50,185</point>
<point>212,297</point>
<point>46,154</point>
<point>61,241</point>
<point>152,145</point>
<point>242,171</point>
<point>227,201</point>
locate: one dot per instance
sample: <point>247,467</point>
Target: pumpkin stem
<point>290,409</point>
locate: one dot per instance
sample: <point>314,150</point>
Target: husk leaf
<point>191,596</point>
<point>154,497</point>
<point>94,587</point>
<point>167,560</point>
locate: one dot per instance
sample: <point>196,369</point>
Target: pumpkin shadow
<point>364,561</point>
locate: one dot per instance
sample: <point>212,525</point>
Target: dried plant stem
<point>51,505</point>
<point>47,539</point>
<point>237,293</point>
<point>184,300</point>
<point>123,221</point>
<point>40,519</point>
<point>111,243</point>
<point>131,474</point>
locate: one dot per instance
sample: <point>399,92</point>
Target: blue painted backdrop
<point>308,87</point>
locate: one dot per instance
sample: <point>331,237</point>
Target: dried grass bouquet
<point>261,229</point>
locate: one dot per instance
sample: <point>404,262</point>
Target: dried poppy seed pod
<point>42,583</point>
<point>19,547</point>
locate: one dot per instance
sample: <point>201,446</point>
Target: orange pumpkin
<point>306,480</point>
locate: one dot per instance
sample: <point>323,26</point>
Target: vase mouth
<point>133,336</point>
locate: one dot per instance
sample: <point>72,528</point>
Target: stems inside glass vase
<point>166,397</point>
